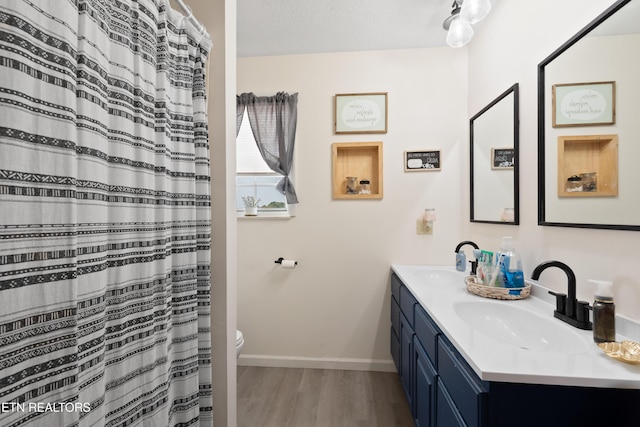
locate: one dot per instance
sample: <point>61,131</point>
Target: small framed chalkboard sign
<point>502,158</point>
<point>422,161</point>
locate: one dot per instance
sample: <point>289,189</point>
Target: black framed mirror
<point>494,165</point>
<point>588,128</point>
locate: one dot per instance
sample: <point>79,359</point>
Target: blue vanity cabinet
<point>441,388</point>
<point>444,391</point>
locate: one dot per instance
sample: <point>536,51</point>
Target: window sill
<point>264,215</point>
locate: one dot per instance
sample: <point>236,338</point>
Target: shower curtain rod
<point>186,9</point>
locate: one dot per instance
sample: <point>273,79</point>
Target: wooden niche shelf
<point>362,160</point>
<point>592,163</point>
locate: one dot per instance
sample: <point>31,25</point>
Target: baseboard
<point>376,365</point>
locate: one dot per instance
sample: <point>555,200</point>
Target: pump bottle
<point>461,261</point>
<point>604,311</point>
<point>510,264</point>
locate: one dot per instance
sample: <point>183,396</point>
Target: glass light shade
<point>460,33</point>
<point>474,10</point>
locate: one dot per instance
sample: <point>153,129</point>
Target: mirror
<point>494,161</point>
<point>588,128</point>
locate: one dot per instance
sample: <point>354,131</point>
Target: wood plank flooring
<point>292,397</point>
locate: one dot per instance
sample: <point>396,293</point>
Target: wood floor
<point>291,397</point>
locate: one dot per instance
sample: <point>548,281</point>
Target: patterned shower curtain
<point>104,215</point>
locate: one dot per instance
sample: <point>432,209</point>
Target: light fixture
<point>473,11</point>
<point>460,33</point>
<point>464,13</point>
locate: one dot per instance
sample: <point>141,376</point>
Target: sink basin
<point>520,327</point>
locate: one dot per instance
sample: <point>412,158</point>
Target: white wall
<point>335,304</point>
<point>507,48</point>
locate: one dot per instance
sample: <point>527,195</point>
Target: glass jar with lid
<point>574,184</point>
<point>589,181</point>
<point>352,185</point>
<point>365,186</point>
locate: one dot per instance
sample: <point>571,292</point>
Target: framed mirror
<point>588,127</point>
<point>494,139</point>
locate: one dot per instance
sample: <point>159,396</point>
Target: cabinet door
<point>395,349</point>
<point>463,385</point>
<point>425,392</point>
<point>406,356</point>
<point>447,414</point>
<point>395,333</point>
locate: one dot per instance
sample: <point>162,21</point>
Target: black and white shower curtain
<point>104,215</point>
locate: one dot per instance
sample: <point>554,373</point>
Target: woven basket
<point>496,293</point>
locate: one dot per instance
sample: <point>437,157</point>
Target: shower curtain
<point>104,215</point>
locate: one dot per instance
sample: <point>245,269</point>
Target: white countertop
<point>586,366</point>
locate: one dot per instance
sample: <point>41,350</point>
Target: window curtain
<point>273,121</point>
<point>105,215</point>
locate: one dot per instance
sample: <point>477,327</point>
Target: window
<point>254,177</point>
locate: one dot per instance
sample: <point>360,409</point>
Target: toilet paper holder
<point>279,261</point>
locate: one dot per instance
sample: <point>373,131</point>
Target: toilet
<point>239,343</point>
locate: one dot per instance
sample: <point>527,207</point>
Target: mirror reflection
<point>494,161</point>
<point>588,126</point>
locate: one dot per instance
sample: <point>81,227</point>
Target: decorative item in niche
<point>422,161</point>
<point>503,158</point>
<point>584,104</point>
<point>360,113</point>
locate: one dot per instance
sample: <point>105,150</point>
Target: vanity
<point>465,360</point>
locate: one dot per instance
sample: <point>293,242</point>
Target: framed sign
<point>583,104</point>
<point>503,158</point>
<point>360,113</point>
<point>422,161</point>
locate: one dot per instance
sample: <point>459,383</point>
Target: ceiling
<point>285,27</point>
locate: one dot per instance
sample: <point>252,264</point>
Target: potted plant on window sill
<point>250,205</point>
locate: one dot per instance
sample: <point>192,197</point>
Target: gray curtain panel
<point>105,208</point>
<point>273,122</point>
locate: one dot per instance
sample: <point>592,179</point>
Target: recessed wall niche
<point>588,166</point>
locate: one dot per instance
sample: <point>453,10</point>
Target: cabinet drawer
<point>395,286</point>
<point>407,302</point>
<point>427,333</point>
<point>463,385</point>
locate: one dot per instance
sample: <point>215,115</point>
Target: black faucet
<point>474,264</point>
<point>568,308</point>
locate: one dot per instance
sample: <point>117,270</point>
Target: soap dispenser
<point>461,261</point>
<point>604,312</point>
